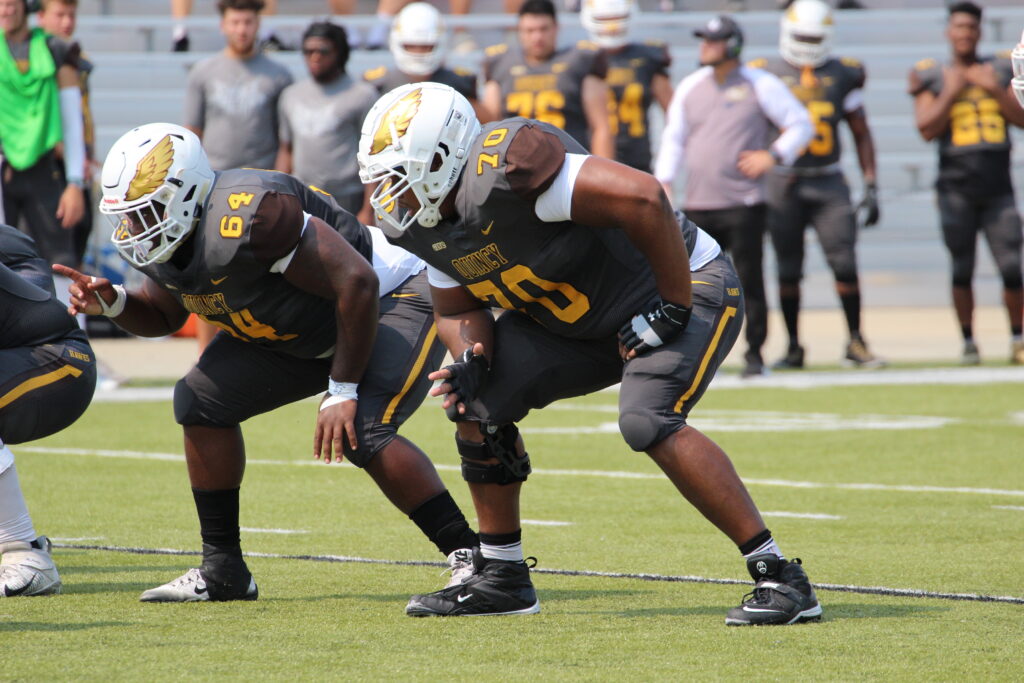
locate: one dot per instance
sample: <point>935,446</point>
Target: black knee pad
<point>640,428</point>
<point>1012,281</point>
<point>186,407</point>
<point>963,271</point>
<point>499,444</point>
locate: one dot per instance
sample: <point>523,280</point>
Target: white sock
<point>768,546</point>
<point>15,523</point>
<point>180,31</point>
<point>512,552</point>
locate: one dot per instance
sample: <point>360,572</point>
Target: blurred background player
<point>813,189</point>
<point>966,105</point>
<point>286,275</point>
<point>419,44</point>
<point>1017,57</point>
<point>231,101</point>
<point>637,76</point>
<point>40,114</point>
<point>59,18</point>
<point>320,118</point>
<point>719,125</point>
<point>561,86</point>
<point>47,378</point>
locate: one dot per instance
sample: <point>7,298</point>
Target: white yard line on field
<point>844,588</point>
<point>253,530</point>
<point>802,515</point>
<point>611,474</point>
<point>1008,507</point>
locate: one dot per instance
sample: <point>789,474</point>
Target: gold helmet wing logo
<point>400,115</point>
<point>152,170</point>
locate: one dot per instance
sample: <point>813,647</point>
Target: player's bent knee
<point>478,459</point>
<point>640,428</point>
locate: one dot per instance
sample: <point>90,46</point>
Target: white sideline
<point>843,588</point>
<point>611,474</point>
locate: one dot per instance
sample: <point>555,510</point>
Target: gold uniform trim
<point>413,374</point>
<point>37,382</point>
<point>730,311</point>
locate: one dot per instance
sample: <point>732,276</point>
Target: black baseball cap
<point>721,27</point>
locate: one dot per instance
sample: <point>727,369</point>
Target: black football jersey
<point>974,150</point>
<point>252,219</point>
<point>551,92</point>
<point>823,91</point>
<point>30,313</point>
<point>386,79</point>
<point>575,280</point>
<point>630,73</point>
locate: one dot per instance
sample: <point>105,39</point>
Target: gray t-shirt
<point>234,102</point>
<point>322,122</point>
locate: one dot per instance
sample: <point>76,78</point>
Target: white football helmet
<point>418,23</point>
<point>1018,70</point>
<point>155,180</point>
<point>607,21</point>
<point>805,38</point>
<point>415,137</point>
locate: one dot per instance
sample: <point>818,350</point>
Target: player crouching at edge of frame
<point>583,254</point>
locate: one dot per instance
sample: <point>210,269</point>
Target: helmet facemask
<point>607,21</point>
<point>155,180</point>
<point>415,138</point>
<point>805,37</point>
<point>418,24</point>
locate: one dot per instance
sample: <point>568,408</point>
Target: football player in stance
<point>419,44</point>
<point>583,254</point>
<point>47,378</point>
<point>287,277</point>
<point>637,76</point>
<point>967,105</point>
<point>561,86</point>
<point>813,189</point>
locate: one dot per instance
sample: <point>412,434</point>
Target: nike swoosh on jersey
<point>487,230</point>
<point>403,296</point>
<point>218,281</point>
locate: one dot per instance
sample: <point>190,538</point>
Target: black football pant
<point>740,230</point>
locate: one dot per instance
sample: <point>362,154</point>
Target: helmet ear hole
<point>438,161</point>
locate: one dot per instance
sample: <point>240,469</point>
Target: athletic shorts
<point>44,388</point>
<point>532,367</point>
<point>235,380</point>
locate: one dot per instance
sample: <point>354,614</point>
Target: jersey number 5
<point>823,141</point>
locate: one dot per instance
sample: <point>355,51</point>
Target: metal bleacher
<point>137,80</point>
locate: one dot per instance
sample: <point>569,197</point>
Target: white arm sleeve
<point>853,101</point>
<point>554,205</point>
<point>281,264</point>
<point>785,111</point>
<point>74,133</point>
<point>440,280</point>
<point>671,152</point>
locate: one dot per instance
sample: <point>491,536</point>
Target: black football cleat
<point>793,360</point>
<point>496,587</point>
<point>782,594</point>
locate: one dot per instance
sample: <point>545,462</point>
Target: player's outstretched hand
<point>461,381</point>
<point>86,290</point>
<point>334,424</point>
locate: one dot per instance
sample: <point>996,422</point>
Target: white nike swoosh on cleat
<point>463,598</point>
<point>767,611</point>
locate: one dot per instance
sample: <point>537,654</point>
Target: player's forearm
<point>461,331</point>
<point>933,117</point>
<point>143,319</point>
<point>1010,108</point>
<point>866,154</point>
<point>655,232</point>
<point>356,319</point>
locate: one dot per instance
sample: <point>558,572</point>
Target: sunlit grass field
<point>885,487</point>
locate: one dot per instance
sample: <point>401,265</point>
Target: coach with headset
<point>720,126</point>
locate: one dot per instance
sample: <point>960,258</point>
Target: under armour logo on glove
<point>467,378</point>
<point>647,330</point>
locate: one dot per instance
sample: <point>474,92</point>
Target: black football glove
<point>644,331</point>
<point>469,373</point>
<point>869,205</point>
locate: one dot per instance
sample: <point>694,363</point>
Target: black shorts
<point>235,380</point>
<point>533,367</point>
<point>33,195</point>
<point>964,216</point>
<point>794,202</point>
<point>44,388</point>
